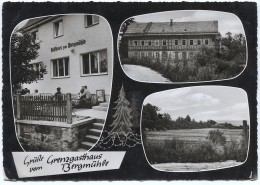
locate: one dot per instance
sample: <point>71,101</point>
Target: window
<point>164,43</point>
<point>150,54</point>
<point>38,68</point>
<point>199,42</point>
<point>156,42</point>
<point>142,43</point>
<point>206,42</point>
<point>176,42</point>
<point>183,42</point>
<point>35,35</point>
<point>149,43</point>
<point>60,67</point>
<point>58,28</point>
<point>191,42</point>
<point>157,54</point>
<point>94,63</point>
<point>91,20</point>
<point>135,43</point>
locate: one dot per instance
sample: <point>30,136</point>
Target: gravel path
<point>144,74</point>
<point>194,167</point>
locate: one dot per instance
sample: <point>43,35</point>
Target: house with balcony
<point>170,40</point>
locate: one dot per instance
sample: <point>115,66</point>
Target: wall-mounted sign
<point>69,45</point>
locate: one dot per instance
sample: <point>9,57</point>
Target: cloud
<point>201,99</point>
<point>237,111</point>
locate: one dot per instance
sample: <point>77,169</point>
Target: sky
<point>203,103</point>
<point>226,21</point>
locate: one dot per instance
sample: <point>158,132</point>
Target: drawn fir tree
<point>122,117</point>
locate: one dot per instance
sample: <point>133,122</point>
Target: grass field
<point>192,135</point>
<point>193,146</point>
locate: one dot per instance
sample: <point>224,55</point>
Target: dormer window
<point>91,20</point>
<point>58,28</point>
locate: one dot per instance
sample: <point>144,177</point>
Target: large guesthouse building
<point>170,40</point>
<point>76,50</point>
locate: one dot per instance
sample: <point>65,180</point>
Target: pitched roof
<point>37,21</point>
<point>199,27</point>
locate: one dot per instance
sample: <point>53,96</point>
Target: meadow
<point>194,146</point>
<point>192,135</point>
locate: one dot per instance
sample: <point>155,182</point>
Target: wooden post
<point>18,107</point>
<point>69,108</point>
<point>245,130</point>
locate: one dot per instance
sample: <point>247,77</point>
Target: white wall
<point>97,37</point>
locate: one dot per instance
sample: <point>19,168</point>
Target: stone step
<point>100,108</point>
<point>104,104</point>
<point>98,126</point>
<point>91,138</point>
<point>95,132</point>
<point>87,145</point>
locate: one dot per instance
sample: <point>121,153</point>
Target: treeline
<point>152,120</point>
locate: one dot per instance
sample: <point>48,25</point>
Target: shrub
<point>216,137</point>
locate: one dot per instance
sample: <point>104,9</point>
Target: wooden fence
<point>44,107</point>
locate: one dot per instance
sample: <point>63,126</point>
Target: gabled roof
<point>196,27</point>
<point>36,22</point>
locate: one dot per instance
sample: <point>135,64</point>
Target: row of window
<point>89,20</point>
<point>164,42</point>
<point>91,64</point>
<point>158,55</point>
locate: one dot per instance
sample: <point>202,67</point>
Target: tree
<point>122,117</point>
<point>123,42</point>
<point>150,117</point>
<point>24,49</point>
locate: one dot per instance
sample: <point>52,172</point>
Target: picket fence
<point>43,107</point>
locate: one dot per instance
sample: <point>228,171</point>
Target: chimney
<point>171,22</point>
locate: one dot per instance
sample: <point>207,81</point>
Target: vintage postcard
<point>129,91</point>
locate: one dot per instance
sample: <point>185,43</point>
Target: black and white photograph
<point>129,91</point>
<point>196,129</point>
<point>61,74</point>
<point>182,46</point>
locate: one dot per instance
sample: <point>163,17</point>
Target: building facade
<point>76,50</point>
<point>170,40</point>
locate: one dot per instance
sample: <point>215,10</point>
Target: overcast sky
<point>226,21</point>
<point>203,103</point>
